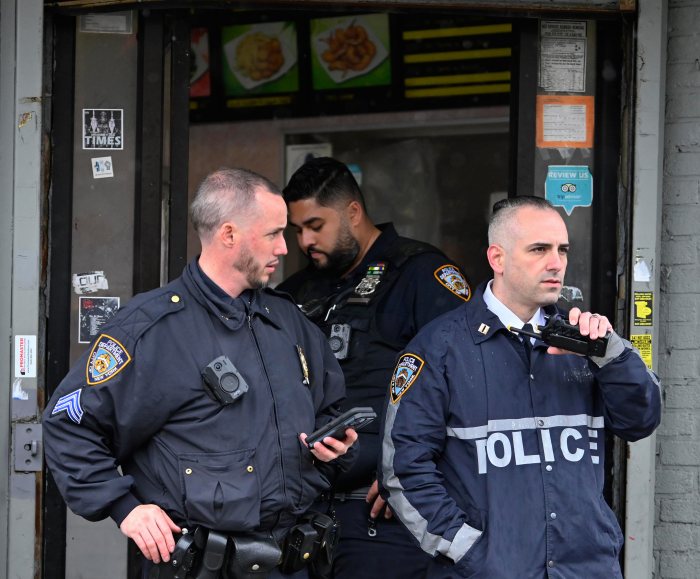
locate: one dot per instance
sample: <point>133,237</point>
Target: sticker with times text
<point>407,370</point>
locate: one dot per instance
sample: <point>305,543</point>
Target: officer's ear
<point>354,212</point>
<point>228,234</point>
<point>496,256</point>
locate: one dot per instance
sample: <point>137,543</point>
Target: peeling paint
<point>24,118</point>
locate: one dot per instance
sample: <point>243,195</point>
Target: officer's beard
<point>343,254</point>
<point>253,273</point>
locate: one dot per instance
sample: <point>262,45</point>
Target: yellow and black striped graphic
<point>442,60</point>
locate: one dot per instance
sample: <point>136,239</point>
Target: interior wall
<point>464,166</point>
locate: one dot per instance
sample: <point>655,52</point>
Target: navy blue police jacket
<point>136,400</point>
<point>417,282</point>
<point>496,465</point>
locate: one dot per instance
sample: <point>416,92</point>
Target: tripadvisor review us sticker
<point>569,186</point>
<point>103,129</point>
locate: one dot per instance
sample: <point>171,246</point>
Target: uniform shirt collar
<point>507,317</point>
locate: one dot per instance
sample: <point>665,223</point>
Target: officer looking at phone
<point>494,441</point>
<point>370,291</point>
<point>202,392</point>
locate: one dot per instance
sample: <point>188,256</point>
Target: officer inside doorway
<point>370,291</point>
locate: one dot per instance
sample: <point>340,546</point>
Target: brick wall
<point>677,531</point>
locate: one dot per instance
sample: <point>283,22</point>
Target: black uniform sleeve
<point>89,427</point>
<point>429,286</point>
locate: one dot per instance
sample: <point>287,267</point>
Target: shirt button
<point>540,422</point>
<point>550,563</point>
<point>532,376</point>
<point>548,467</point>
<point>553,516</point>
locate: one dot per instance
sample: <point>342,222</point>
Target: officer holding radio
<point>186,420</point>
<point>370,291</point>
<point>493,448</point>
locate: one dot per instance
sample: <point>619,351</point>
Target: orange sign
<point>565,121</point>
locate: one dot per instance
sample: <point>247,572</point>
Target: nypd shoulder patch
<point>107,358</point>
<point>70,404</point>
<point>449,276</point>
<point>405,374</point>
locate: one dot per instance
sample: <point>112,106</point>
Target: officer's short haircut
<point>504,210</point>
<point>327,181</point>
<point>226,195</point>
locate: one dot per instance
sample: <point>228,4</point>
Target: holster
<point>311,542</point>
<point>321,566</point>
<point>252,557</point>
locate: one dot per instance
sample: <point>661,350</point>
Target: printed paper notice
<point>563,56</point>
<point>565,121</point>
<point>643,343</point>
<point>25,356</point>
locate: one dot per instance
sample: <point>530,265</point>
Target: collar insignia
<point>484,329</point>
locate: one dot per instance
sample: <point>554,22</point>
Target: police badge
<point>369,283</point>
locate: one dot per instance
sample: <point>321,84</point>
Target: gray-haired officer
<point>202,393</point>
<point>370,291</point>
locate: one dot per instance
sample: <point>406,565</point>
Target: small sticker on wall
<point>569,186</point>
<point>643,343</point>
<point>102,167</point>
<point>89,282</point>
<point>103,128</point>
<point>643,308</point>
<point>25,356</point>
<point>94,313</point>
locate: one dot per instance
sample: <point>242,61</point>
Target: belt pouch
<point>328,529</point>
<point>299,547</point>
<point>253,556</point>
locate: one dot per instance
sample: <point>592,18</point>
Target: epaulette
<point>146,309</point>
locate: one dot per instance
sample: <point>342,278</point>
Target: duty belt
<point>357,494</point>
<point>208,554</point>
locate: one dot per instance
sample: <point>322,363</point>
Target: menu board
<point>452,60</point>
<point>292,66</point>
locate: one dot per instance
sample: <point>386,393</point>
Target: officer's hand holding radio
<point>585,334</point>
<point>592,325</point>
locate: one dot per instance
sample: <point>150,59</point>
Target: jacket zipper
<point>274,405</point>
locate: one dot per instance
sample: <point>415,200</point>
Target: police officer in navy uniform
<point>191,409</point>
<point>493,450</point>
<point>370,291</point>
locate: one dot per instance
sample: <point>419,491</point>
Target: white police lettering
<point>500,449</point>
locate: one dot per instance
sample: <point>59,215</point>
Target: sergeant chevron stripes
<point>70,403</point>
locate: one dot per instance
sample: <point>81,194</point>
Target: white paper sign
<point>563,56</point>
<point>25,356</point>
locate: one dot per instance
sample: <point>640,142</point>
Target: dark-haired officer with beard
<point>370,291</point>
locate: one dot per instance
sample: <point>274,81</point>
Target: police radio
<point>223,382</point>
<point>559,333</point>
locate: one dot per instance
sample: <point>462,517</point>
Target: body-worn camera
<point>223,382</point>
<point>339,340</point>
